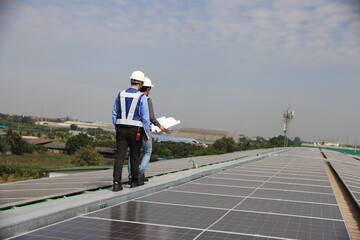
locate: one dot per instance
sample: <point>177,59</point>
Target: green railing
<point>346,151</point>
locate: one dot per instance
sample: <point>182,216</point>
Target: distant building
<point>56,147</point>
<point>85,125</point>
<point>327,143</point>
<point>204,136</point>
<point>36,140</point>
<point>45,119</point>
<point>59,147</point>
<point>76,132</point>
<point>250,138</point>
<point>164,138</point>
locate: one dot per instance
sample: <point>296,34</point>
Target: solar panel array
<point>338,156</point>
<point>279,197</point>
<point>23,192</point>
<point>348,169</point>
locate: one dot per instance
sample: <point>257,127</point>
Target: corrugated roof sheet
<point>38,141</point>
<point>56,145</point>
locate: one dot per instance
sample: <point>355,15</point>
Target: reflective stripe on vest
<point>129,120</point>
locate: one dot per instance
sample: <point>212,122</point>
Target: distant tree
<point>166,153</point>
<point>28,120</point>
<point>11,120</point>
<point>12,138</point>
<point>86,156</point>
<point>245,145</point>
<point>4,146</point>
<point>226,145</point>
<point>279,142</point>
<point>61,137</point>
<point>17,145</point>
<point>106,143</point>
<point>78,141</point>
<point>28,133</point>
<point>73,127</point>
<point>297,140</point>
<point>169,150</point>
<point>50,135</point>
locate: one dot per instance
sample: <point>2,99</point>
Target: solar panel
<point>239,176</point>
<point>295,196</point>
<point>306,176</point>
<point>224,206</point>
<point>214,235</point>
<point>212,189</point>
<point>90,228</point>
<point>19,193</point>
<point>193,199</point>
<point>291,208</point>
<point>301,181</point>
<point>228,182</point>
<point>163,214</point>
<point>297,187</point>
<point>273,225</point>
<point>349,173</point>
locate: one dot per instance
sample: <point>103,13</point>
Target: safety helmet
<point>147,82</point>
<point>138,76</point>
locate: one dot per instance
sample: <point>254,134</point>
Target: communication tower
<point>288,115</point>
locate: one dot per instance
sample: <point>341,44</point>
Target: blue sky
<point>222,65</point>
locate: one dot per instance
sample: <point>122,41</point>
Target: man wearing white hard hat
<point>146,89</point>
<point>130,116</point>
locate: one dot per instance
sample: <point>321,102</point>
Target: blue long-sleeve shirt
<point>141,111</point>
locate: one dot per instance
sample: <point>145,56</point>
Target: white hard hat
<point>147,82</point>
<point>138,75</point>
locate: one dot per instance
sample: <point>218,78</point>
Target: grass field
<point>46,160</point>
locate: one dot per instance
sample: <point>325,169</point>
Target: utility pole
<point>288,115</point>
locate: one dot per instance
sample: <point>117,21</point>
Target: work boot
<point>117,187</point>
<point>143,178</point>
<point>136,183</point>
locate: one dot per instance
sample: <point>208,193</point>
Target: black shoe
<point>136,184</point>
<point>117,187</point>
<point>143,178</point>
<point>130,181</point>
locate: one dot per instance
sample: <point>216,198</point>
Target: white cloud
<point>248,44</point>
<point>252,26</point>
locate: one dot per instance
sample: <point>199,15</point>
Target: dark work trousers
<point>126,137</point>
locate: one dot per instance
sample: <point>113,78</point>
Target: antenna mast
<point>288,115</point>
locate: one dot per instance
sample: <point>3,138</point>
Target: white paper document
<point>166,122</point>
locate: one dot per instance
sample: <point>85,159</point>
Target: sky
<point>231,65</point>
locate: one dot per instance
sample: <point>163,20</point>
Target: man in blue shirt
<point>130,116</point>
<point>146,89</point>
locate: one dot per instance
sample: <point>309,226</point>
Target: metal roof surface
<point>281,196</point>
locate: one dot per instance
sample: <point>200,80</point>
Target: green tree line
<point>19,173</point>
<point>13,142</point>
